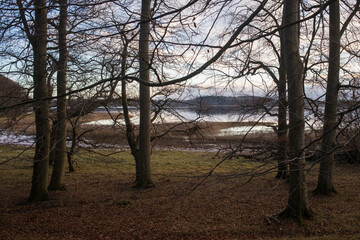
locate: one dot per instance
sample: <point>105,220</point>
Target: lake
<point>187,115</point>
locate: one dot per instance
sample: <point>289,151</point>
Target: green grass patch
<point>18,160</point>
<point>162,162</point>
<point>227,205</point>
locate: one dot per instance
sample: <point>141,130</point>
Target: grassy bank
<point>101,204</point>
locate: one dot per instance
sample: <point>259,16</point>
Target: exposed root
<point>282,175</point>
<point>38,197</point>
<point>144,185</point>
<point>297,215</point>
<point>324,191</point>
<point>60,187</point>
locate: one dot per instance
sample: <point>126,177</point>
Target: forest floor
<point>238,201</point>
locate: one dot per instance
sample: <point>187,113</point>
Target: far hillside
<point>243,101</point>
<point>11,93</point>
<point>226,103</point>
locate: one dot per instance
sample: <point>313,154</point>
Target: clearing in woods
<point>100,203</point>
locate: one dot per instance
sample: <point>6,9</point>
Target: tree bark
<point>130,133</point>
<point>143,173</point>
<point>71,151</point>
<point>57,177</point>
<point>282,148</point>
<point>297,206</point>
<point>41,107</point>
<point>325,179</point>
<point>53,139</point>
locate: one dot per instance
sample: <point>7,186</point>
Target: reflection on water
<point>242,130</point>
<point>188,115</point>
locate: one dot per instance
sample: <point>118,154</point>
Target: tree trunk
<point>71,151</point>
<point>297,202</point>
<point>143,174</point>
<point>41,108</point>
<point>325,183</point>
<point>282,148</point>
<point>57,178</point>
<point>53,139</point>
<point>130,134</point>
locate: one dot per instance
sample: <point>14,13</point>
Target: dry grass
<point>100,203</point>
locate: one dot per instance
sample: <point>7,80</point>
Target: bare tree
<point>331,123</point>
<point>57,178</point>
<point>277,72</point>
<point>38,41</point>
<point>325,183</point>
<point>282,150</point>
<point>297,206</point>
<point>143,173</point>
